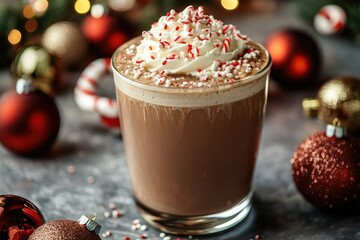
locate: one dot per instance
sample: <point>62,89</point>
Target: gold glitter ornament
<point>66,41</point>
<point>36,64</point>
<point>337,98</point>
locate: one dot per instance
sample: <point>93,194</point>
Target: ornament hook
<point>92,216</point>
<point>24,86</point>
<point>90,223</point>
<point>335,129</point>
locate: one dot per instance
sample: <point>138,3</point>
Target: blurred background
<point>99,26</point>
<point>72,33</point>
<point>315,48</point>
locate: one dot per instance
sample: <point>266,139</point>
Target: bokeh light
<point>14,36</point>
<point>28,11</point>
<point>40,7</point>
<point>230,4</point>
<point>300,65</point>
<point>82,6</point>
<point>31,25</point>
<point>98,10</point>
<point>121,5</point>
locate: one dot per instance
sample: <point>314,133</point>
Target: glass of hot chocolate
<point>191,93</point>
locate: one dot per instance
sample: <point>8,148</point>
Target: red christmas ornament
<point>105,33</point>
<point>86,228</point>
<point>326,169</point>
<point>296,57</point>
<point>29,120</point>
<point>18,218</point>
<point>97,29</point>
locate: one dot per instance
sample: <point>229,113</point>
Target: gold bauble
<point>36,64</point>
<point>66,41</point>
<point>337,98</point>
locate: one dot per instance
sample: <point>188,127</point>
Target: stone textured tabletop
<point>279,212</point>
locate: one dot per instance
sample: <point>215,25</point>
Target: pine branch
<point>353,16</point>
<point>307,9</point>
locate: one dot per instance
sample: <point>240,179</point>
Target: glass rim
<point>223,86</point>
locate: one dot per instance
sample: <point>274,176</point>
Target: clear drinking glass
<point>191,152</point>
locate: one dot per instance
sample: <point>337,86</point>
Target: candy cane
<point>330,19</point>
<point>86,97</point>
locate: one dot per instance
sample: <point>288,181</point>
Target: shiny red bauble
<point>29,122</point>
<point>104,33</point>
<point>296,58</point>
<point>326,170</point>
<point>18,218</point>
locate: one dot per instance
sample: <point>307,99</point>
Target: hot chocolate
<point>191,126</point>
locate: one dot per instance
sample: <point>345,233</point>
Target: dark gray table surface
<point>279,212</point>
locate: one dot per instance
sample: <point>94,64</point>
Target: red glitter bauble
<point>29,122</point>
<point>63,230</point>
<point>296,57</point>
<point>18,217</point>
<point>326,170</point>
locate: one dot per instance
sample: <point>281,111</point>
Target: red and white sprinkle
<point>106,234</point>
<point>71,169</point>
<point>143,227</point>
<point>116,213</point>
<point>107,214</point>
<point>112,206</point>
<point>90,180</point>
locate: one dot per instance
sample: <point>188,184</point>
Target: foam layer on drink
<point>196,97</point>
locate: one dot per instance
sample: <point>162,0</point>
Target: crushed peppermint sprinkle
<point>190,49</point>
<point>116,213</point>
<point>143,227</point>
<point>106,234</point>
<point>90,180</point>
<point>71,169</point>
<point>112,206</point>
<point>107,214</point>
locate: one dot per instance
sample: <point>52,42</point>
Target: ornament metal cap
<point>310,107</point>
<point>335,129</point>
<point>24,86</point>
<point>90,223</point>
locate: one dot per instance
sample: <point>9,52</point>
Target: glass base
<point>197,225</point>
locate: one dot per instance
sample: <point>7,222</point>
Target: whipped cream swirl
<point>188,42</point>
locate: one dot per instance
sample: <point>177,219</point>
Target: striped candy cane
<point>86,97</point>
